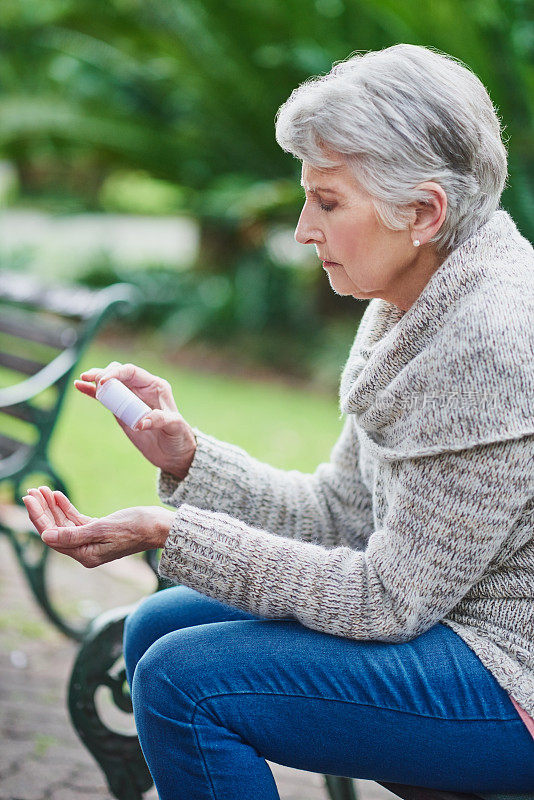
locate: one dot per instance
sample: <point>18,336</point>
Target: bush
<point>265,310</point>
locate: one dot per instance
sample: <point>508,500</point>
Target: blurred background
<point>137,144</point>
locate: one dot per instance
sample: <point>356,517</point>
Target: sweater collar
<point>456,369</point>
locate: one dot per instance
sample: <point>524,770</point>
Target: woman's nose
<point>306,232</point>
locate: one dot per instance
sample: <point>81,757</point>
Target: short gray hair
<point>399,117</point>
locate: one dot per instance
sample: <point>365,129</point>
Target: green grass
<point>287,427</point>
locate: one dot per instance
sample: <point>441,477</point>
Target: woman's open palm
<point>48,509</point>
<point>95,540</point>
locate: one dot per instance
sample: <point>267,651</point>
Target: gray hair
<point>399,117</point>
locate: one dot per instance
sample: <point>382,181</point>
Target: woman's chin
<point>342,292</point>
<point>339,287</point>
<point>347,291</point>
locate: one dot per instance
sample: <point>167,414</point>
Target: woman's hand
<point>91,540</point>
<point>162,436</point>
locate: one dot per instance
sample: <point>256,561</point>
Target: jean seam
<point>198,706</point>
<point>198,703</point>
<point>199,748</point>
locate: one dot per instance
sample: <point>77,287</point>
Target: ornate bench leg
<point>118,755</point>
<point>340,788</point>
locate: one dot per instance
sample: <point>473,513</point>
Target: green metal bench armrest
<point>103,303</point>
<point>26,390</point>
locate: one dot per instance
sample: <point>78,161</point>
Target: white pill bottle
<point>122,402</point>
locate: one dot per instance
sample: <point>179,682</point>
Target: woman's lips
<point>327,264</point>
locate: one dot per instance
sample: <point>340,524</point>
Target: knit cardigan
<point>425,511</point>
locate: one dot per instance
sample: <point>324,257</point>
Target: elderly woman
<point>375,618</point>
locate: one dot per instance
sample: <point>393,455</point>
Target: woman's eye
<point>325,207</point>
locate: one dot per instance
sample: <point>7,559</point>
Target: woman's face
<point>361,256</point>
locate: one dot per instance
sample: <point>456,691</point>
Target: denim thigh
<point>218,691</point>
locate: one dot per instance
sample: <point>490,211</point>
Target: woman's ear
<point>429,214</point>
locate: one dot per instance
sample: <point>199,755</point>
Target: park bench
<point>44,330</point>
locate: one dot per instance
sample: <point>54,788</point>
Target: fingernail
<point>50,536</point>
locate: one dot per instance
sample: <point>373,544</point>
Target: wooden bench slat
<point>30,327</point>
<point>9,446</point>
<point>23,288</point>
<point>26,366</point>
<point>23,411</point>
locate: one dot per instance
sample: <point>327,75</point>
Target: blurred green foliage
<point>264,310</point>
<point>167,106</point>
<point>137,192</point>
<point>186,90</point>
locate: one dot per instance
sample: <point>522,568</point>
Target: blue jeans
<point>216,691</point>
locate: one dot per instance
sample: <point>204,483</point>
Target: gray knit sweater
<point>425,511</point>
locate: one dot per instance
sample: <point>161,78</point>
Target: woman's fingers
<point>71,538</point>
<point>38,510</point>
<point>45,510</point>
<point>166,397</point>
<point>136,378</point>
<point>157,418</point>
<point>55,510</point>
<point>92,374</point>
<point>95,374</point>
<point>70,510</point>
<point>131,375</point>
<point>52,509</point>
<point>122,533</point>
<point>88,380</point>
<point>85,387</point>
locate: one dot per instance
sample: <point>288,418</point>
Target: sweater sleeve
<point>447,517</point>
<point>331,506</point>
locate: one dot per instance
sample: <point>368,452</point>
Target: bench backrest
<point>44,330</point>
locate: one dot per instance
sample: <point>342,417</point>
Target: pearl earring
<point>416,242</point>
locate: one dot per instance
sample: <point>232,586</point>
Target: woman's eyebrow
<point>315,189</point>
